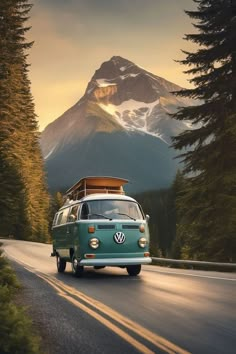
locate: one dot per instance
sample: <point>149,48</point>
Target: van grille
<point>130,227</point>
<point>106,227</point>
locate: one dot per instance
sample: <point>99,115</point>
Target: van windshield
<point>111,209</point>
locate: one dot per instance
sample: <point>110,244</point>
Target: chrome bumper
<point>115,261</point>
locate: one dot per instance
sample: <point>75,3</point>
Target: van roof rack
<point>96,184</point>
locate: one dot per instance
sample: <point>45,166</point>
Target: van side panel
<point>63,235</point>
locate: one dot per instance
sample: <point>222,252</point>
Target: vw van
<point>100,226</point>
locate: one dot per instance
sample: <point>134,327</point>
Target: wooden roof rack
<point>96,184</point>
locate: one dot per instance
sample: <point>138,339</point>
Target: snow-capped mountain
<point>122,117</point>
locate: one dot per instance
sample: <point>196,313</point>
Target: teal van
<point>100,226</point>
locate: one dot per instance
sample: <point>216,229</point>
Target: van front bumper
<point>115,261</point>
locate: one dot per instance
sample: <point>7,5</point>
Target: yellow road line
<point>153,338</point>
<point>139,346</point>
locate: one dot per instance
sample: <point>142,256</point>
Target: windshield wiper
<point>127,215</point>
<point>104,216</point>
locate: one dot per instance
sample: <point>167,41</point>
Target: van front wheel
<point>134,270</point>
<point>76,269</point>
<point>61,264</point>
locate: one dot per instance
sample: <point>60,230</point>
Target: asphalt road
<point>162,310</point>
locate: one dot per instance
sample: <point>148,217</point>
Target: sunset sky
<point>72,38</point>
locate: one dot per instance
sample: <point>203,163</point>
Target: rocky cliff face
<point>122,103</point>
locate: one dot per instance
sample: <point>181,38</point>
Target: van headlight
<point>94,243</point>
<point>142,242</point>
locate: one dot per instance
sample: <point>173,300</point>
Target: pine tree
<point>24,200</point>
<point>209,155</point>
<point>160,205</point>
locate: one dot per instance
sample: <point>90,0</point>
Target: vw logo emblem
<point>119,237</point>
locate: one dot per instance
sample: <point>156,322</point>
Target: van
<point>100,226</point>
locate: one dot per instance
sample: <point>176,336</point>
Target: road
<point>163,310</point>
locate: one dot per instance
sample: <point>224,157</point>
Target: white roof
<point>106,196</point>
<point>100,196</point>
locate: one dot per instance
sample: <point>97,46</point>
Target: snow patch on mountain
<point>104,83</point>
<point>123,77</point>
<point>130,105</point>
<point>133,115</point>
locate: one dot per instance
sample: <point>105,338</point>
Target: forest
<point>195,217</point>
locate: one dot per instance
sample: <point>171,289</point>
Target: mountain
<point>120,127</point>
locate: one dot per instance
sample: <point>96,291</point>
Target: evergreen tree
<point>209,202</point>
<point>24,200</point>
<point>160,205</point>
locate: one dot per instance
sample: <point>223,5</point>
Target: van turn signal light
<point>141,228</point>
<point>89,255</point>
<point>91,229</point>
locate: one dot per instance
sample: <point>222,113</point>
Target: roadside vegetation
<point>24,199</point>
<point>17,336</point>
<point>205,197</point>
<point>160,206</point>
<point>170,230</point>
<point>206,203</point>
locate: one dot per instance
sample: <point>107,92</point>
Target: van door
<point>60,234</point>
<point>71,223</point>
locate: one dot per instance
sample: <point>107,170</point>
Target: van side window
<point>62,218</point>
<point>55,219</point>
<point>59,218</point>
<point>84,211</point>
<point>73,215</point>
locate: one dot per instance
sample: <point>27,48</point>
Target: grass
<point>17,335</point>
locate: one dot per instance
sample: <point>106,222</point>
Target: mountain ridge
<point>121,99</point>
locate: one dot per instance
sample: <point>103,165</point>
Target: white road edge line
<point>194,275</point>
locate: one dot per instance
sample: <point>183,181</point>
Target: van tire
<point>134,270</point>
<point>61,264</point>
<point>76,269</point>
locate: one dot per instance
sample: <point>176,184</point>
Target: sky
<point>72,38</point>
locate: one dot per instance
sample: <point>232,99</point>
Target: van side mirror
<point>147,218</point>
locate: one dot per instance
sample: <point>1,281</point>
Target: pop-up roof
<point>95,184</point>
